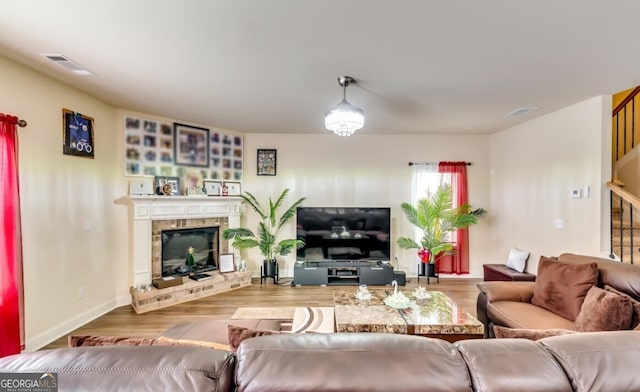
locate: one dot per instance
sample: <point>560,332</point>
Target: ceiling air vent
<point>69,64</point>
<point>522,111</point>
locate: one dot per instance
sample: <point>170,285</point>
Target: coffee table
<point>437,316</point>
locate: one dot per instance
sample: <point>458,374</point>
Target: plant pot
<point>431,270</point>
<point>421,269</point>
<point>270,268</point>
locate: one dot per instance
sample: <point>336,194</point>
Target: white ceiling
<point>258,66</point>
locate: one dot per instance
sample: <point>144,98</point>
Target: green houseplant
<point>266,236</point>
<point>437,218</point>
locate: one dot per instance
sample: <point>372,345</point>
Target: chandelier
<point>345,118</point>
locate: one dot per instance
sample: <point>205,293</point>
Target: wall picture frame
<point>167,186</point>
<point>267,161</point>
<point>212,187</point>
<point>77,134</point>
<point>191,145</point>
<point>233,188</point>
<point>226,263</point>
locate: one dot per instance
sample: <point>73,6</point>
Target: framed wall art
<point>191,145</point>
<point>226,263</point>
<point>77,134</point>
<point>267,159</point>
<point>149,149</point>
<point>212,187</point>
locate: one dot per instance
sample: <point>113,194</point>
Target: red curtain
<point>458,262</point>
<point>11,302</point>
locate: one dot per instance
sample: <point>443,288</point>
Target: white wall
<point>535,165</point>
<point>366,170</point>
<point>68,215</point>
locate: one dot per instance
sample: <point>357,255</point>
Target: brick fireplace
<point>149,215</point>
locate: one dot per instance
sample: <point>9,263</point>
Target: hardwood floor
<point>124,321</point>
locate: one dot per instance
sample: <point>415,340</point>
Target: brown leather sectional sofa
<point>509,304</point>
<point>598,361</point>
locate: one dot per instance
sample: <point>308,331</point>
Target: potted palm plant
<point>266,236</point>
<point>437,218</point>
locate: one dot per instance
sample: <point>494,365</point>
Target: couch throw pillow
<point>235,335</point>
<point>517,259</point>
<point>194,343</point>
<point>604,310</point>
<point>93,340</point>
<point>531,334</point>
<point>561,287</point>
<point>635,319</point>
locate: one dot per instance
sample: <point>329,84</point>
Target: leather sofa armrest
<point>507,291</point>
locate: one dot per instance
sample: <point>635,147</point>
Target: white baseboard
<point>123,300</point>
<point>42,339</point>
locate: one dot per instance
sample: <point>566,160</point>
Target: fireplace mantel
<point>143,210</point>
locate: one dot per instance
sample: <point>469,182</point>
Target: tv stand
<point>339,273</point>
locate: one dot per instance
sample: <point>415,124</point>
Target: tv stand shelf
<point>340,273</point>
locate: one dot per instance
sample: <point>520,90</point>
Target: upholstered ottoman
<point>216,330</point>
<point>502,272</point>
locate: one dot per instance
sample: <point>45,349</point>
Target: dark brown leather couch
<point>508,304</point>
<point>597,361</point>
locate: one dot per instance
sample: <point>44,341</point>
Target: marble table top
<point>435,315</point>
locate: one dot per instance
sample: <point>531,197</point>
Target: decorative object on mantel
<point>77,133</point>
<point>345,118</point>
<point>167,186</point>
<point>437,218</point>
<point>266,237</point>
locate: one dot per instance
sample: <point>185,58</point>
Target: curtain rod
<point>22,123</point>
<point>431,163</point>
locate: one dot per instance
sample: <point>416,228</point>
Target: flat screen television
<point>344,233</point>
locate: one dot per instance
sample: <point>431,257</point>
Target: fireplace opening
<point>176,244</point>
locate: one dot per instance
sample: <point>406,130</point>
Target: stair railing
<point>624,206</point>
<point>624,124</point>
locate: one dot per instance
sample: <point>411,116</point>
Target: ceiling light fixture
<point>345,118</point>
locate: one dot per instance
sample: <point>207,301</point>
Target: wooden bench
<point>502,272</point>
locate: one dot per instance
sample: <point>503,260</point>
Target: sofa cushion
<point>525,315</point>
<point>126,368</point>
<point>525,333</point>
<point>604,310</point>
<point>517,259</point>
<point>236,334</point>
<point>493,366</point>
<point>372,362</point>
<point>561,287</point>
<point>635,319</point>
<point>597,361</point>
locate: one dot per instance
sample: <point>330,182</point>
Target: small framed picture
<point>167,186</point>
<point>233,188</point>
<point>191,145</point>
<point>212,187</point>
<point>267,159</point>
<point>226,263</point>
<point>77,134</point>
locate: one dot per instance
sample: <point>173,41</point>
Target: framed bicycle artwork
<point>77,134</point>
